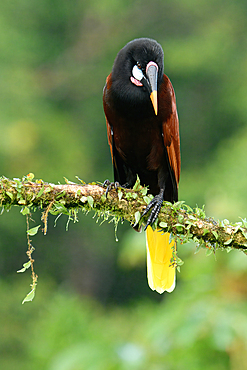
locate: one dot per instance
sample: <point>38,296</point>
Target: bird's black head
<point>136,76</point>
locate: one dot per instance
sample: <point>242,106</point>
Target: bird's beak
<point>152,75</point>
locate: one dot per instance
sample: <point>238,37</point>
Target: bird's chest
<point>139,142</point>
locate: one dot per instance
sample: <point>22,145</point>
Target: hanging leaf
<point>25,211</point>
<point>25,266</point>
<point>30,296</point>
<point>33,231</point>
<point>198,248</point>
<point>90,200</point>
<point>208,252</point>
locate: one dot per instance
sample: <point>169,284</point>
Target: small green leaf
<point>128,195</point>
<point>144,191</point>
<point>137,184</point>
<point>244,234</point>
<point>177,205</point>
<point>134,195</point>
<point>25,266</point>
<point>90,200</point>
<point>147,199</point>
<point>198,248</point>
<point>47,190</point>
<point>78,178</point>
<point>103,198</point>
<point>25,211</point>
<point>244,221</point>
<point>17,180</point>
<point>61,208</point>
<point>205,231</point>
<point>68,181</point>
<point>41,191</point>
<point>171,238</point>
<point>60,195</point>
<point>22,201</point>
<point>137,216</point>
<point>228,241</point>
<point>208,252</point>
<point>30,296</point>
<point>33,231</point>
<point>163,224</point>
<point>215,234</point>
<point>78,192</point>
<point>189,224</point>
<point>237,226</point>
<point>21,270</point>
<point>189,209</point>
<point>9,194</point>
<point>30,176</point>
<point>155,224</point>
<point>192,217</point>
<point>179,261</point>
<point>120,194</point>
<point>200,212</point>
<point>83,199</point>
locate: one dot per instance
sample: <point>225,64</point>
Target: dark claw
<point>156,204</point>
<point>110,185</point>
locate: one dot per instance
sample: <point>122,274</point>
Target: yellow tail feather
<point>161,274</point>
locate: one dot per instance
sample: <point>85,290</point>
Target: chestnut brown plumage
<point>143,134</point>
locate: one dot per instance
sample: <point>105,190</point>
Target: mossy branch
<point>128,204</point>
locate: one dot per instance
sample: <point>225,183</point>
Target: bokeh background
<point>93,309</point>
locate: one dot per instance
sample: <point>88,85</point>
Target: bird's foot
<point>110,185</point>
<point>155,205</point>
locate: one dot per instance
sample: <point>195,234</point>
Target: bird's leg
<point>113,185</point>
<point>155,204</point>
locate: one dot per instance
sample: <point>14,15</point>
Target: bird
<point>143,134</point>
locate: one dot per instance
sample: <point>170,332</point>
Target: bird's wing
<point>108,127</point>
<point>170,130</point>
<point>117,161</point>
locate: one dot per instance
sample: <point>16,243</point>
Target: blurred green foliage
<point>93,309</point>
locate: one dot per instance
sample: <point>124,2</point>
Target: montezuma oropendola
<point>143,134</point>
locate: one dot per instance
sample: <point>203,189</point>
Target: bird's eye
<point>137,73</point>
<point>139,65</point>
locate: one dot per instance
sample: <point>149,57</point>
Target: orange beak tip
<point>154,100</point>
